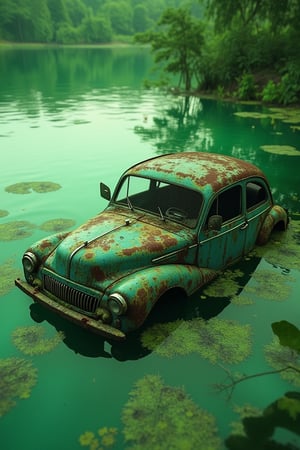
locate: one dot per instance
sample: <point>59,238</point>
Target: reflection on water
<point>71,118</point>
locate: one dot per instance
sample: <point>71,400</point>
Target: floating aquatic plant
<point>242,299</point>
<point>17,378</point>
<point>279,357</point>
<point>283,114</point>
<point>226,285</point>
<point>269,285</point>
<point>3,213</point>
<point>246,410</point>
<point>8,274</point>
<point>18,229</point>
<point>156,412</point>
<point>29,186</point>
<point>283,249</point>
<point>287,150</point>
<point>107,438</point>
<point>31,340</point>
<point>216,340</point>
<point>57,225</point>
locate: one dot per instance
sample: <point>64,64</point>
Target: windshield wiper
<point>129,203</point>
<point>161,214</point>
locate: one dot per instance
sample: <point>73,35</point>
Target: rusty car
<point>173,222</point>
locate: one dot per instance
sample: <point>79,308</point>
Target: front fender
<point>142,289</point>
<point>275,215</point>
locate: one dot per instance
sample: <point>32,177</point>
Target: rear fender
<point>276,215</point>
<point>142,289</point>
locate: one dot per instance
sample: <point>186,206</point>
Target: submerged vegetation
<point>31,340</point>
<point>17,378</point>
<point>37,186</point>
<point>156,412</point>
<point>217,340</point>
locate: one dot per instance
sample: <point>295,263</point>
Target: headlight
<point>117,304</point>
<point>30,262</point>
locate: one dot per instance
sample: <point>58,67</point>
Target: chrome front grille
<point>79,299</point>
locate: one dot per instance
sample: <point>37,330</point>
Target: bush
<point>270,93</point>
<point>246,87</point>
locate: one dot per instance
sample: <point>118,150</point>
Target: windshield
<point>169,201</point>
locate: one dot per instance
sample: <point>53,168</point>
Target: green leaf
<point>289,334</point>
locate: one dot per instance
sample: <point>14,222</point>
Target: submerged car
<point>173,223</point>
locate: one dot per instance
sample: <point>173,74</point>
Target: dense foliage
<point>247,48</point>
<point>77,21</point>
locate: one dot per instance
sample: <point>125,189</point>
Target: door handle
<point>244,226</point>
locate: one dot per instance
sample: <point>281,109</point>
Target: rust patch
<point>97,273</point>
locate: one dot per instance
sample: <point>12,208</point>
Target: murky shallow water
<point>75,118</point>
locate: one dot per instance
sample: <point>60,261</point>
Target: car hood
<point>112,245</point>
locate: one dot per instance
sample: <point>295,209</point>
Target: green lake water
<point>76,117</point>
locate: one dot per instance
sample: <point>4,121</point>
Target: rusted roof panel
<point>195,170</point>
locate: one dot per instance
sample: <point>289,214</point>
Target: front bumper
<point>80,319</point>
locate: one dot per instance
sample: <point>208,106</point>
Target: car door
<point>222,236</point>
<point>257,204</point>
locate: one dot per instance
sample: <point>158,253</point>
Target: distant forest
<point>79,21</point>
<point>248,49</point>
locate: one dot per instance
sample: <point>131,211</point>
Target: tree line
<point>247,47</point>
<point>77,21</point>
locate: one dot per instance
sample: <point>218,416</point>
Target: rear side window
<point>228,204</point>
<point>256,193</point>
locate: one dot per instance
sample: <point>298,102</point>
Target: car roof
<point>206,172</point>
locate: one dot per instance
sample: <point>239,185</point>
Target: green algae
<point>286,150</point>
<point>242,299</point>
<point>18,229</point>
<point>244,411</point>
<point>8,273</point>
<point>280,357</point>
<point>283,249</point>
<point>225,285</point>
<point>217,340</point>
<point>156,412</point>
<point>36,186</point>
<point>57,225</point>
<point>31,340</point>
<point>269,284</point>
<point>17,378</point>
<point>3,213</point>
<point>106,438</point>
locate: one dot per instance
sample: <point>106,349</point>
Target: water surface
<point>75,117</point>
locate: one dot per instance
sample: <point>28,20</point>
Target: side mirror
<point>105,191</point>
<point>215,223</point>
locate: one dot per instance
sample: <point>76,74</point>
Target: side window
<point>228,204</point>
<point>255,194</point>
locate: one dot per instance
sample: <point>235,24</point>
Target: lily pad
<point>29,186</point>
<point>3,213</point>
<point>287,150</point>
<point>57,225</point>
<point>17,378</point>
<point>252,114</point>
<point>18,229</point>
